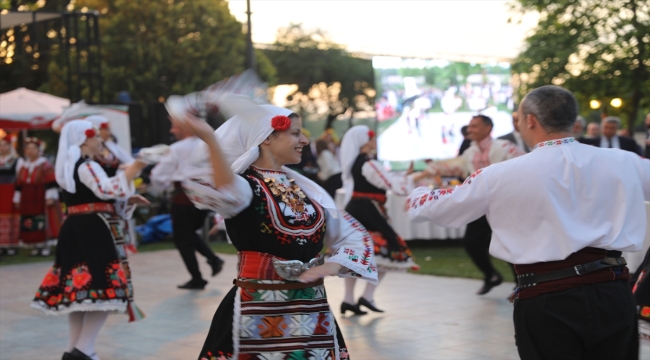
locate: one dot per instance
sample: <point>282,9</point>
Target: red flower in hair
<point>33,140</point>
<point>90,133</point>
<point>281,123</point>
<point>104,126</point>
<point>371,134</point>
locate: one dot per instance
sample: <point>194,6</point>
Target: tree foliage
<point>157,48</point>
<point>329,79</point>
<point>597,49</point>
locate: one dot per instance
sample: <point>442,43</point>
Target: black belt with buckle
<point>530,279</point>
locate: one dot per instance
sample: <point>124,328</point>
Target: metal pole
<point>99,58</point>
<point>250,51</point>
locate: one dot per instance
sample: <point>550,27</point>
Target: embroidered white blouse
<point>561,197</point>
<point>115,188</point>
<point>399,183</point>
<point>344,235</point>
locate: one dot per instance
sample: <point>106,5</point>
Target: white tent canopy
<point>27,109</point>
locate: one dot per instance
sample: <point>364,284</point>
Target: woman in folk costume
<point>365,182</point>
<point>9,215</point>
<point>90,277</point>
<point>37,198</point>
<point>279,221</point>
<point>111,155</point>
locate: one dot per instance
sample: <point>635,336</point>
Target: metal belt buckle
<point>577,270</point>
<point>292,269</point>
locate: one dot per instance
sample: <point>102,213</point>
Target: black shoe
<point>489,284</point>
<point>217,265</point>
<point>75,354</point>
<point>193,285</point>
<point>368,304</point>
<point>354,308</point>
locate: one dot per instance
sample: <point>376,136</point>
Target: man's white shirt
<point>561,197</point>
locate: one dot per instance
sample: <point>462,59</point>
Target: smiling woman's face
<point>286,146</point>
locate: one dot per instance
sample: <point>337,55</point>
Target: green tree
<point>597,49</point>
<point>159,48</point>
<point>150,48</point>
<point>330,81</point>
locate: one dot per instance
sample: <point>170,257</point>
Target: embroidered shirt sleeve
<point>451,207</point>
<point>51,186</point>
<point>375,173</point>
<point>106,188</point>
<point>351,247</point>
<point>228,200</point>
<point>161,174</point>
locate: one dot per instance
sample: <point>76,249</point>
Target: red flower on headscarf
<point>104,126</point>
<point>281,123</point>
<point>371,134</point>
<point>90,133</point>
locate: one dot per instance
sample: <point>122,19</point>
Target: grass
<point>433,257</point>
<point>452,261</point>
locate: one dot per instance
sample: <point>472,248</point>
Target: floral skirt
<point>274,324</point>
<point>90,272</point>
<point>391,251</point>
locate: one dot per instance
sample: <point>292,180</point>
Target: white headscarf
<point>351,144</point>
<point>239,139</point>
<point>73,135</point>
<point>97,120</point>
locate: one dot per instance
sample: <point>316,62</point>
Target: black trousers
<point>186,220</point>
<point>477,244</point>
<point>594,321</point>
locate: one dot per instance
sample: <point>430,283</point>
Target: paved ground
<point>427,317</point>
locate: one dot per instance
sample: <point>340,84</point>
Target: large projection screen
<point>423,104</point>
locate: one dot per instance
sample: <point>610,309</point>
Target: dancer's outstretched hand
<point>319,272</point>
<point>138,200</point>
<point>195,126</point>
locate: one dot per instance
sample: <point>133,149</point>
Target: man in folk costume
<point>186,218</point>
<point>483,151</point>
<point>562,214</point>
<point>112,156</point>
<point>9,215</point>
<point>37,197</point>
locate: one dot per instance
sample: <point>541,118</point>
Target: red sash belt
<point>373,196</point>
<point>257,265</point>
<point>583,256</point>
<point>91,208</point>
<point>179,197</point>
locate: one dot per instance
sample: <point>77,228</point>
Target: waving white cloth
<point>351,144</point>
<point>239,139</point>
<point>73,135</point>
